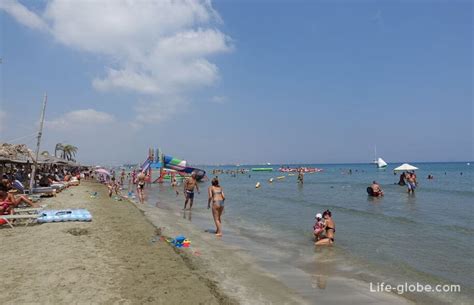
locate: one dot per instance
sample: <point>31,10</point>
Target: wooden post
<point>40,132</point>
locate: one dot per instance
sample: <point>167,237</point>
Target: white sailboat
<point>379,161</point>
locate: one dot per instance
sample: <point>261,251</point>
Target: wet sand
<point>118,258</point>
<point>242,276</point>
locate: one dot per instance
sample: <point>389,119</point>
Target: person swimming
<point>375,190</point>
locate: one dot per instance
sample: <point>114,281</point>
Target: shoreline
<point>113,259</point>
<point>225,260</point>
<point>227,272</point>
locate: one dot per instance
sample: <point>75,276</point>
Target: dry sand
<point>115,259</point>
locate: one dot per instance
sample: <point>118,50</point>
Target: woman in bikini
<point>140,186</point>
<point>329,228</point>
<point>14,199</point>
<point>217,197</point>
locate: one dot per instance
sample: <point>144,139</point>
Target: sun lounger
<point>27,219</point>
<point>27,211</point>
<point>43,190</point>
<point>58,186</point>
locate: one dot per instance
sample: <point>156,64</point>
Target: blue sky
<point>242,81</point>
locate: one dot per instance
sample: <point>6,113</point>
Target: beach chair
<point>26,218</point>
<point>42,191</point>
<point>27,211</point>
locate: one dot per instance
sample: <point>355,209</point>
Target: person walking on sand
<point>122,177</point>
<point>329,228</point>
<point>113,186</point>
<point>217,197</point>
<point>189,185</point>
<point>140,186</point>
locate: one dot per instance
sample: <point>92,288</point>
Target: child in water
<point>318,227</point>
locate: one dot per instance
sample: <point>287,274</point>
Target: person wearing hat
<point>318,227</point>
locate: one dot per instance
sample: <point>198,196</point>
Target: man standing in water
<point>300,176</point>
<point>411,183</point>
<point>189,185</point>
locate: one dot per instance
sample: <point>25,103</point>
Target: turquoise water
<point>426,237</point>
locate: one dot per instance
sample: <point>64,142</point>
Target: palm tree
<point>45,153</point>
<point>59,147</point>
<point>69,152</point>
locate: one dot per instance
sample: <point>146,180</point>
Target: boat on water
<point>381,163</point>
<point>262,169</point>
<point>304,169</point>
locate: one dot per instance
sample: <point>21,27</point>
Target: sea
<point>403,240</point>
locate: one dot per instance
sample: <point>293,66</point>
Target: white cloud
<point>127,80</point>
<point>79,119</point>
<point>149,112</point>
<point>23,15</point>
<point>120,26</point>
<point>154,48</point>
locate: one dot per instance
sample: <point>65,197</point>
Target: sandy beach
<point>115,259</point>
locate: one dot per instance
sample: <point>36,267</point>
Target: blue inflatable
<point>178,241</point>
<point>65,215</point>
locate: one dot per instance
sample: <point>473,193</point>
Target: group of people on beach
<point>9,199</point>
<point>139,179</point>
<point>216,196</point>
<point>13,192</point>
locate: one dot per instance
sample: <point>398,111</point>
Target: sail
<point>381,163</point>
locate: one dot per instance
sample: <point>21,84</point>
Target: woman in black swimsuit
<point>329,228</point>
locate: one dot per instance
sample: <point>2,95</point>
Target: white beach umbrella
<point>406,167</point>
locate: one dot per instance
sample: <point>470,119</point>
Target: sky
<point>246,82</point>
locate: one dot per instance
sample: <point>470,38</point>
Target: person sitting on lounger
<point>15,200</point>
<point>45,181</point>
<point>5,206</point>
